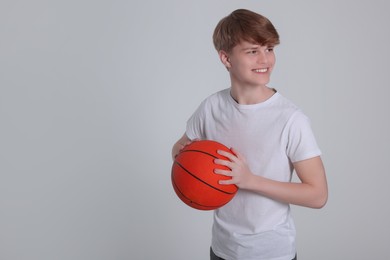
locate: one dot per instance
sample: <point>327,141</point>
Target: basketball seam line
<point>193,202</point>
<point>199,151</point>
<point>203,180</point>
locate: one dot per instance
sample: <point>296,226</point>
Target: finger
<point>228,155</point>
<point>238,155</point>
<point>181,147</point>
<point>226,182</point>
<point>234,151</point>
<point>223,162</point>
<point>223,172</point>
<point>188,142</point>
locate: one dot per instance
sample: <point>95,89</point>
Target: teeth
<point>261,70</point>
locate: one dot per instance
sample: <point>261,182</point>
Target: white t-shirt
<point>271,136</point>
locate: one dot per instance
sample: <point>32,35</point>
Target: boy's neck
<point>251,95</point>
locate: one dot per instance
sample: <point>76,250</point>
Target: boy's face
<point>249,64</point>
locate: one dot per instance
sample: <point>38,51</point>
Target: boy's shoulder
<point>221,95</point>
<point>290,111</point>
<point>286,102</point>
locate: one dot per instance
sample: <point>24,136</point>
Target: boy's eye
<point>252,51</point>
<point>270,49</point>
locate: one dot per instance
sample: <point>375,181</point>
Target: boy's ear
<point>224,57</point>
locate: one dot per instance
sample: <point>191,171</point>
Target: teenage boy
<point>270,138</point>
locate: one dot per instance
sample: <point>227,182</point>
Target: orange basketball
<point>193,177</point>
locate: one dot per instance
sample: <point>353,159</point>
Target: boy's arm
<point>179,145</point>
<point>311,192</point>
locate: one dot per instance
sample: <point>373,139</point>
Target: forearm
<point>312,191</point>
<point>302,194</point>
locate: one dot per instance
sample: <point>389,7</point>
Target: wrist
<point>254,183</point>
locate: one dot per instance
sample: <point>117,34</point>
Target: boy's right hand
<point>179,145</point>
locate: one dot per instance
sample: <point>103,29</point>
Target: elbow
<point>319,204</point>
<point>320,201</point>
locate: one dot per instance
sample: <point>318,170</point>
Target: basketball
<point>193,177</point>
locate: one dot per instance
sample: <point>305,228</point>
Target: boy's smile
<point>261,70</point>
<point>249,64</point>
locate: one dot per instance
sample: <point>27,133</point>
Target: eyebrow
<point>251,47</point>
<point>257,46</point>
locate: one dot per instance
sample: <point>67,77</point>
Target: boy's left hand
<point>239,171</point>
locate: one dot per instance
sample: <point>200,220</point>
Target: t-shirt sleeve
<point>301,144</point>
<point>195,124</point>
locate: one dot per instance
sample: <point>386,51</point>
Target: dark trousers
<point>214,257</point>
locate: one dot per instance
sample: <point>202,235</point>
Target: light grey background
<point>94,93</point>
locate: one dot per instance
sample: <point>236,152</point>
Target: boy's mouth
<point>261,70</point>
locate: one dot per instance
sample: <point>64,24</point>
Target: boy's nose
<point>262,57</point>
